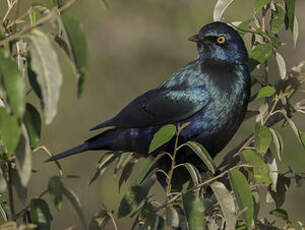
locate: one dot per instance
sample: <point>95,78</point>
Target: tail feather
<point>78,149</point>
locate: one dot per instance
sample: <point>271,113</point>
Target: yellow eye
<point>221,40</point>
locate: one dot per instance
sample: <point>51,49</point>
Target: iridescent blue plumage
<point>211,92</point>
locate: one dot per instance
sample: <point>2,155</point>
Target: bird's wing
<point>160,106</point>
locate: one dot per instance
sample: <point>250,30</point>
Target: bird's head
<point>219,43</point>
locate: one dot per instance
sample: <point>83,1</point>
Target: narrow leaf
<point>172,217</point>
<point>273,169</point>
<point>281,65</point>
<point>266,91</point>
<point>21,190</point>
<point>13,83</point>
<point>279,212</point>
<point>260,170</point>
<point>33,17</point>
<point>24,158</point>
<point>32,122</point>
<point>203,154</point>
<point>56,191</point>
<point>9,130</point>
<point>243,196</point>
<point>295,31</point>
<point>277,19</point>
<point>226,202</point>
<point>278,143</point>
<point>135,196</point>
<point>161,137</point>
<point>263,138</point>
<point>3,184</point>
<point>289,17</point>
<point>40,214</point>
<point>220,7</point>
<point>194,211</point>
<point>302,137</point>
<point>77,40</point>
<point>46,66</point>
<point>259,4</point>
<point>70,195</point>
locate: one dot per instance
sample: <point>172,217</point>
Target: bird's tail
<point>78,149</point>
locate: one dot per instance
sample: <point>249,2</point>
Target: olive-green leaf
<point>260,170</point>
<point>21,190</point>
<point>202,153</point>
<point>32,123</point>
<point>172,217</point>
<point>106,4</point>
<point>99,220</point>
<point>220,7</point>
<point>162,136</point>
<point>40,214</point>
<point>56,189</point>
<point>281,65</point>
<point>243,196</point>
<point>266,91</point>
<point>279,212</point>
<point>33,17</point>
<point>259,4</point>
<point>77,40</point>
<point>302,137</point>
<point>9,130</point>
<point>13,84</point>
<point>278,142</point>
<point>71,196</point>
<point>24,157</point>
<point>263,138</point>
<point>277,19</point>
<point>49,76</point>
<point>135,196</point>
<point>243,27</point>
<point>194,211</point>
<point>259,55</point>
<point>289,16</point>
<point>226,202</point>
<point>3,184</point>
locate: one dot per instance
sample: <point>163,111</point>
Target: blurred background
<point>132,48</point>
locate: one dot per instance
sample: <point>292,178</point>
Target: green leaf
<point>40,214</point>
<point>266,91</point>
<point>260,170</point>
<point>13,84</point>
<point>259,55</point>
<point>161,137</point>
<point>56,188</point>
<point>226,202</point>
<point>135,196</point>
<point>278,142</point>
<point>9,130</point>
<point>102,166</point>
<point>202,153</point>
<point>279,212</point>
<point>277,19</point>
<point>70,195</point>
<point>243,27</point>
<point>263,138</point>
<point>220,7</point>
<point>259,4</point>
<point>281,65</point>
<point>243,196</point>
<point>24,158</point>
<point>172,217</point>
<point>194,173</point>
<point>289,16</point>
<point>32,122</point>
<point>147,165</point>
<point>33,17</point>
<point>49,76</point>
<point>302,137</point>
<point>77,40</point>
<point>194,211</point>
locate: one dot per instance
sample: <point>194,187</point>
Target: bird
<point>211,93</point>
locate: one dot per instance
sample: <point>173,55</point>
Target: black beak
<point>194,38</point>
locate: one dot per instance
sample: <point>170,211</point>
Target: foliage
<point>224,197</point>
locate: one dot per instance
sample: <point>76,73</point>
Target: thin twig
<point>112,220</point>
<point>60,169</point>
<point>10,190</point>
<point>54,13</point>
<point>9,11</point>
